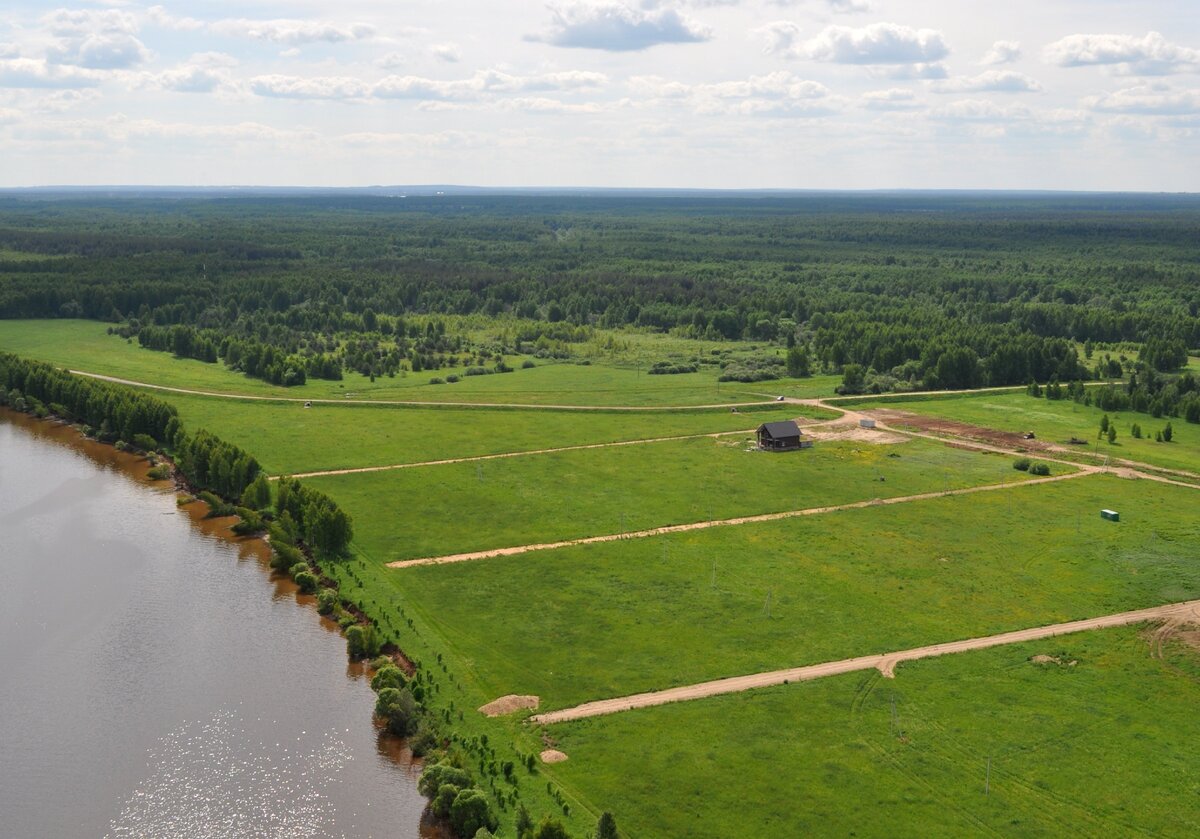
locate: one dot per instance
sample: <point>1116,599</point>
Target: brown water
<point>156,681</point>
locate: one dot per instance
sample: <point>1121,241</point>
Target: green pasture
<point>287,437</point>
<point>544,498</point>
<point>85,345</point>
<point>1101,748</point>
<point>609,619</point>
<point>1056,421</point>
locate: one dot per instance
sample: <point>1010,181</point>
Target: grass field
<point>1103,748</point>
<point>609,619</point>
<point>291,438</point>
<point>84,345</point>
<point>568,495</point>
<point>1058,421</point>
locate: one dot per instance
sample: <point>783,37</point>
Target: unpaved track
<point>358,469</point>
<point>415,403</point>
<point>704,525</point>
<point>884,662</point>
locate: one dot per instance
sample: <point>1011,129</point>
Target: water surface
<point>157,682</point>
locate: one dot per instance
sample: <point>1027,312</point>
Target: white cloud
<point>1150,55</point>
<point>908,72</point>
<point>997,81</point>
<point>98,40</point>
<point>1002,52</point>
<point>321,87</point>
<point>161,17</point>
<point>1147,100</point>
<point>543,105</point>
<point>850,6</point>
<point>8,50</point>
<point>392,60</point>
<point>616,27</point>
<point>191,79</point>
<point>775,94</point>
<point>294,32</point>
<point>877,43</point>
<point>979,110</point>
<point>9,116</point>
<point>35,73</point>
<point>891,99</point>
<point>446,52</point>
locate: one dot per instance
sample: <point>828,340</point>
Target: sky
<point>786,94</point>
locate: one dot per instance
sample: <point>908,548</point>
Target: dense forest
<point>932,290</point>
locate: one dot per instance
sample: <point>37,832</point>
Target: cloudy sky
<point>1054,94</point>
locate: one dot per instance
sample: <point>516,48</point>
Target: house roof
<point>785,428</point>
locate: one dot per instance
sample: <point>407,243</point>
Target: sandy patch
<point>553,756</point>
<point>855,433</point>
<point>509,705</point>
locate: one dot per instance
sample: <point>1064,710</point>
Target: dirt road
<point>885,662</point>
<point>703,525</point>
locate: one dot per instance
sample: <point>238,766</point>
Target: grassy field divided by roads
<point>605,620</point>
<point>568,495</point>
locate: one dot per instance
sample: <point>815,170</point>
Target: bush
<point>285,556</point>
<point>161,472</point>
<point>307,581</point>
<point>1039,469</point>
<point>436,380</point>
<point>398,708</point>
<point>470,812</point>
<point>477,371</point>
<point>217,507</point>
<point>145,442</point>
<point>1021,464</point>
<point>452,379</point>
<point>388,676</point>
<point>362,641</point>
<point>327,601</point>
<point>424,740</point>
<point>527,364</point>
<point>667,368</point>
<point>250,522</point>
<point>435,775</point>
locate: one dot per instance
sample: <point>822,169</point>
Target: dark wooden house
<point>781,437</point>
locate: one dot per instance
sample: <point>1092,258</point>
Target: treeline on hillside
<point>888,283</point>
<point>120,414</point>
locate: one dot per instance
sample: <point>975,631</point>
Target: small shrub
<point>159,473</point>
<point>1039,469</point>
<point>451,379</point>
<point>285,556</point>
<point>477,371</point>
<point>436,380</point>
<point>217,507</point>
<point>250,522</point>
<point>1021,464</point>
<point>145,442</point>
<point>327,602</point>
<point>307,581</point>
<point>527,364</point>
<point>668,368</point>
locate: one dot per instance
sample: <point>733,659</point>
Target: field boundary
<point>885,663</point>
<point>471,556</point>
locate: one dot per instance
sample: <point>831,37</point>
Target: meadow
<point>602,620</point>
<point>291,438</point>
<point>613,381</point>
<point>1074,749</point>
<point>568,495</point>
<point>1057,421</point>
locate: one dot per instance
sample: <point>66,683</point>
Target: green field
<point>84,345</point>
<point>1056,421</point>
<point>602,620</point>
<point>287,437</point>
<point>1103,748</point>
<point>551,497</point>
